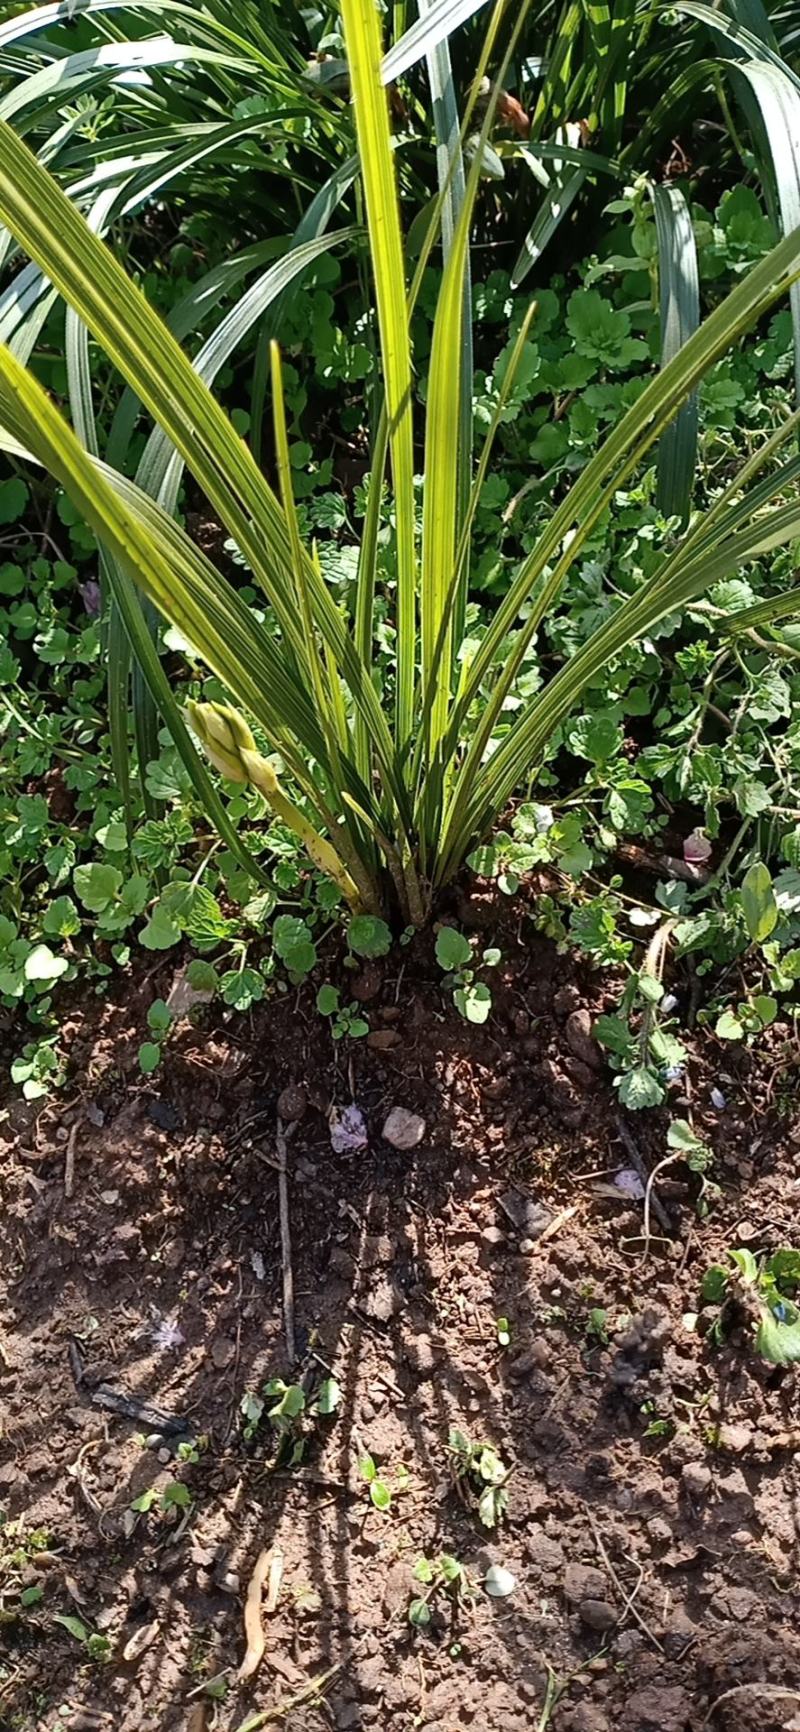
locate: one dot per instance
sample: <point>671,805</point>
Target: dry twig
<point>628,1599</point>
<point>636,1161</point>
<point>69,1162</point>
<point>281,1145</point>
<point>281,1709</point>
<point>560,1220</point>
<point>650,1201</point>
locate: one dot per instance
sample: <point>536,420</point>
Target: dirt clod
<point>292,1103</point>
<point>384,1301</point>
<point>597,1614</point>
<point>583,1582</point>
<point>696,1479</point>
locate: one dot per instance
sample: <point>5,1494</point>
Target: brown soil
<point>652,1522</point>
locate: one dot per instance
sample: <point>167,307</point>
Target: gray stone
<point>403,1129</point>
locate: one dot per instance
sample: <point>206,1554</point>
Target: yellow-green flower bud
<point>228,743</point>
<point>225,738</point>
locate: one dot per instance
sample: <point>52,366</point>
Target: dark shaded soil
<point>652,1523</point>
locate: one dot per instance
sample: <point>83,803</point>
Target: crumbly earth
<point>652,1522</point>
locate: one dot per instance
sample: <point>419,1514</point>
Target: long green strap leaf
<point>557,202</point>
<point>438,21</point>
<point>155,553</point>
<point>750,46</point>
<point>778,99</point>
<point>680,316</point>
<point>362,36</point>
<point>450,171</point>
<point>39,18</point>
<point>138,342</point>
<point>606,471</point>
<point>766,283</point>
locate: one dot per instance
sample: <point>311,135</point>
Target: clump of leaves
<point>172,1496</point>
<point>480,1476</point>
<point>639,1038</point>
<point>345,1019</point>
<point>96,1646</point>
<point>471,997</point>
<point>443,1575</point>
<point>760,1294</point>
<point>287,1407</point>
<point>18,1553</point>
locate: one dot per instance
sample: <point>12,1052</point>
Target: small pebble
<point>403,1129</point>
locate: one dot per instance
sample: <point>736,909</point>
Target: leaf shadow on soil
<point>402,1264</point>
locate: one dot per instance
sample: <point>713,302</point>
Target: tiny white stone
<point>499,1583</point>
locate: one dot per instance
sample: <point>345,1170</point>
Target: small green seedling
<point>346,1019</point>
<point>439,1576</point>
<point>191,1449</point>
<point>472,998</point>
<point>682,1137</point>
<point>283,1404</point>
<point>597,1326</point>
<point>159,1022</point>
<point>382,1491</point>
<point>640,1042</point>
<point>379,1491</point>
<point>173,1496</point>
<point>657,1424</point>
<point>480,1477</point>
<point>97,1647</point>
<point>761,913</point>
<point>749,1019</point>
<point>762,1294</point>
<point>503,1329</point>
